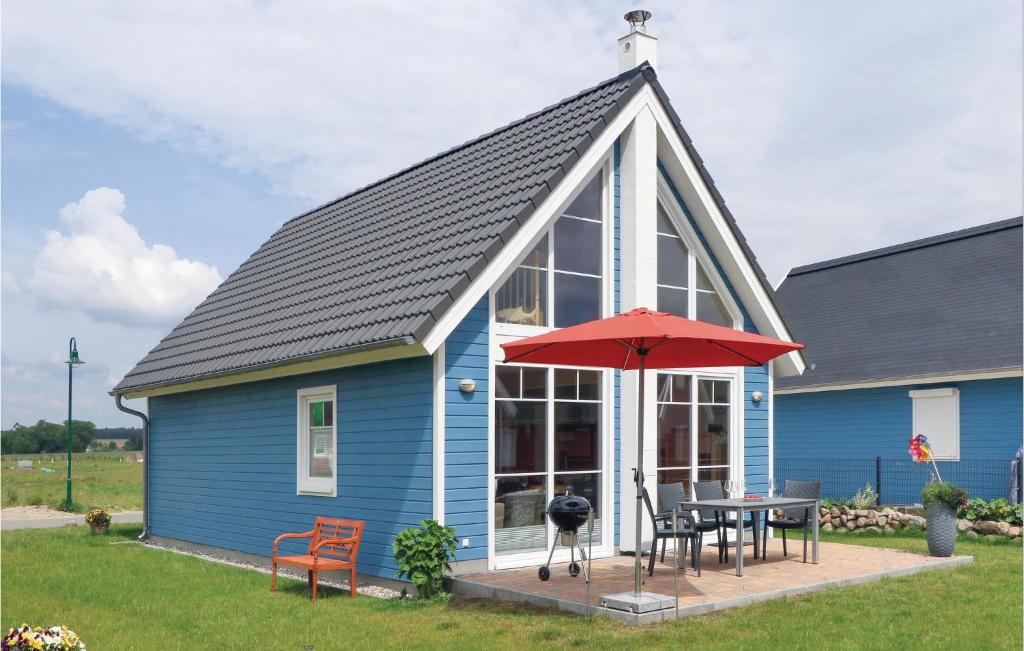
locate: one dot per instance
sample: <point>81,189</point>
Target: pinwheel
<point>921,452</point>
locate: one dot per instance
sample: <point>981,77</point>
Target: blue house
<point>351,366</point>
<point>918,338</point>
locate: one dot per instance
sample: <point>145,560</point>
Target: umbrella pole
<point>638,553</point>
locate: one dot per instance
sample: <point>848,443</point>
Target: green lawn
<point>118,594</point>
<point>104,479</point>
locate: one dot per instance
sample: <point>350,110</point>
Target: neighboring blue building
<point>351,366</point>
<point>919,338</point>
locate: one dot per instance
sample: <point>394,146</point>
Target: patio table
<point>741,506</point>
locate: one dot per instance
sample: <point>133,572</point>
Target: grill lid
<point>569,512</point>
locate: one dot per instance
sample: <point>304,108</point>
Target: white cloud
<point>830,127</point>
<point>103,267</point>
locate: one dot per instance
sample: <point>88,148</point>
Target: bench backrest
<point>327,528</point>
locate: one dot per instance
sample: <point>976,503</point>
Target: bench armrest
<point>306,534</point>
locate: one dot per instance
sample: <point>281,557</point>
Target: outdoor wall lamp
<point>756,397</point>
<point>467,385</point>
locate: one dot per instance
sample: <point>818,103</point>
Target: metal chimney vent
<point>637,20</point>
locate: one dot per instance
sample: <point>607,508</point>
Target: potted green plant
<point>941,501</point>
<point>99,520</point>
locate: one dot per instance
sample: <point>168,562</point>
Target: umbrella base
<point>631,602</point>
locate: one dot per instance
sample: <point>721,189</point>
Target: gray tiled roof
<point>384,262</point>
<point>945,304</point>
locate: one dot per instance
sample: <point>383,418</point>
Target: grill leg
<point>784,551</point>
<point>552,554</point>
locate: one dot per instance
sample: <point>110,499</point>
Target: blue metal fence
<point>896,480</point>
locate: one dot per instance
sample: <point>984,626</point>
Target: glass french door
<point>547,441</point>
<point>693,429</point>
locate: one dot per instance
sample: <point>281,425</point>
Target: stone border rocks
<point>843,519</point>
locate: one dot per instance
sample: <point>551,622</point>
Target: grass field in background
<point>119,594</point>
<point>104,479</point>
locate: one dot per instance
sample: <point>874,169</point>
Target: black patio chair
<point>712,490</point>
<point>686,530</point>
<point>669,496</point>
<point>798,518</point>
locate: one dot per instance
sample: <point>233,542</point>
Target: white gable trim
<point>966,376</point>
<point>688,181</point>
<point>714,226</point>
<point>537,225</point>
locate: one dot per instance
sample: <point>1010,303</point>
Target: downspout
<point>145,463</point>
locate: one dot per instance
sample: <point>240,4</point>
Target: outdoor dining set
<point>716,514</point>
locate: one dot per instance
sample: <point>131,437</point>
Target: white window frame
<point>696,256</point>
<point>602,547</point>
<point>517,330</point>
<point>499,333</point>
<point>920,399</point>
<point>304,484</point>
<point>734,466</point>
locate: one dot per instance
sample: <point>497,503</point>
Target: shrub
<point>422,554</point>
<point>997,509</point>
<point>865,498</point>
<point>56,638</point>
<point>944,493</point>
<point>833,503</point>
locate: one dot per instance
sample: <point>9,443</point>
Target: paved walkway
<point>8,523</point>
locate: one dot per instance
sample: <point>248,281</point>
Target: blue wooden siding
<point>755,416</point>
<point>867,423</point>
<point>466,486</point>
<point>222,461</point>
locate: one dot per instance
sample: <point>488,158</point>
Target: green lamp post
<point>72,362</point>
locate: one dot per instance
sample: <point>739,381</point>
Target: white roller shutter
<point>937,416</point>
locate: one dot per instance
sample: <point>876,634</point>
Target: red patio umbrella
<point>644,339</point>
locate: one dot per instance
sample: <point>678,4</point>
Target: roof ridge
<point>912,245</point>
<point>628,75</point>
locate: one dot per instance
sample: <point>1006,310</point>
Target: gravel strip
<point>369,590</point>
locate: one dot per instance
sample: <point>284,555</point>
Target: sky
<point>148,148</point>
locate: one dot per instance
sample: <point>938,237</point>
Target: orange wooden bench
<point>333,545</point>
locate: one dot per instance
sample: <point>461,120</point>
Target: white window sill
<point>316,493</point>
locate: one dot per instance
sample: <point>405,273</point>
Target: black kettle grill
<point>569,513</point>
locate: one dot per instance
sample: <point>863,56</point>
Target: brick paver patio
<point>717,588</point>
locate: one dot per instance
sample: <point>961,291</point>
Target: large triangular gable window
<point>559,282</point>
<point>684,287</point>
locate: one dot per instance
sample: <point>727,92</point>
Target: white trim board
<point>527,236</point>
<point>903,381</point>
<point>685,176</point>
<point>437,449</point>
<point>699,199</point>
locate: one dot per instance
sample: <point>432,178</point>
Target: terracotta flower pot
<point>99,528</point>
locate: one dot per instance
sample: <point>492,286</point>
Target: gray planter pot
<point>941,528</point>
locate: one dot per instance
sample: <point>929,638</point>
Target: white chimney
<point>637,46</point>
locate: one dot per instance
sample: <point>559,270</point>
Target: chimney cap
<point>637,20</point>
